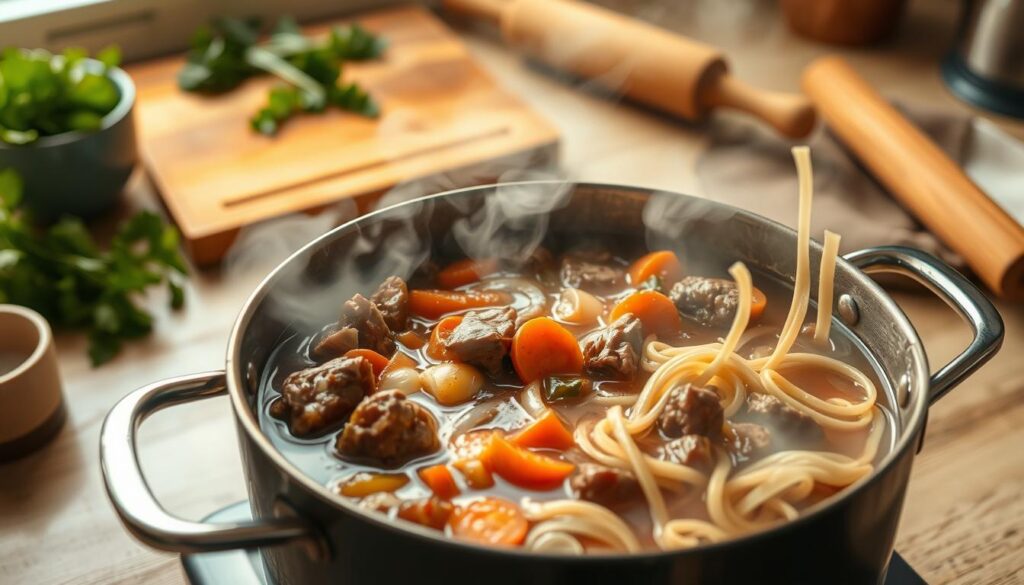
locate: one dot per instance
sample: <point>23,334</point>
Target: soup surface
<point>576,402</point>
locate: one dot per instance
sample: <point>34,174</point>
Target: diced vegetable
<point>471,445</point>
<point>522,467</point>
<point>663,264</point>
<point>577,307</point>
<point>547,432</point>
<point>565,387</point>
<point>434,304</point>
<point>475,472</point>
<point>430,512</point>
<point>656,311</point>
<point>411,339</point>
<point>377,361</point>
<point>463,272</point>
<point>440,481</point>
<point>399,361</point>
<point>441,332</point>
<point>363,483</point>
<point>542,347</point>
<point>452,383</point>
<point>758,302</point>
<point>405,380</point>
<point>490,521</point>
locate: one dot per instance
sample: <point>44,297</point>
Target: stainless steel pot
<point>312,536</point>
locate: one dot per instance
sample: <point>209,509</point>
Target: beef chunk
<point>591,271</point>
<point>335,343</point>
<point>690,450</point>
<point>750,440</point>
<point>769,410</point>
<point>431,512</point>
<point>613,352</point>
<point>388,429</point>
<point>692,410</point>
<point>604,485</point>
<point>320,398</point>
<point>372,331</point>
<point>709,301</point>
<point>382,502</point>
<point>483,338</point>
<point>392,300</point>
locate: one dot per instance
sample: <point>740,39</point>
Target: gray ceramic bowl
<point>79,173</point>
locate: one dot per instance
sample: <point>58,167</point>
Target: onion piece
<point>531,401</point>
<point>577,307</point>
<point>452,383</point>
<point>405,380</point>
<point>528,298</point>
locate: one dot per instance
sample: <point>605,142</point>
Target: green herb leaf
<point>62,273</point>
<point>110,56</point>
<point>226,52</point>
<point>43,95</point>
<point>565,387</point>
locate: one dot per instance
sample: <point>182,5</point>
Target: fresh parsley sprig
<point>42,94</point>
<point>62,273</point>
<point>227,52</point>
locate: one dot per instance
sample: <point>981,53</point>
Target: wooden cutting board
<point>440,112</point>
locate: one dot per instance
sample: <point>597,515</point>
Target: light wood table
<point>964,516</point>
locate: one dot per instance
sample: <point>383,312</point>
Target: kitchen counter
<point>964,511</point>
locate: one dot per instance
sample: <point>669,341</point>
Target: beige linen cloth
<point>751,168</point>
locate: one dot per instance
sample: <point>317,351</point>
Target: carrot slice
<point>441,332</point>
<point>463,272</point>
<point>411,339</point>
<point>522,467</point>
<point>434,304</point>
<point>440,481</point>
<point>663,264</point>
<point>542,347</point>
<point>491,521</point>
<point>758,303</point>
<point>377,361</point>
<point>475,472</point>
<point>547,432</point>
<point>656,311</point>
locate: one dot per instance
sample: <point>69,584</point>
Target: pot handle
<point>141,514</point>
<point>953,288</point>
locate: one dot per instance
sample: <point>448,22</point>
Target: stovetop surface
<point>246,567</point>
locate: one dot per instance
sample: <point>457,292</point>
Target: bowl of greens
<point>66,127</point>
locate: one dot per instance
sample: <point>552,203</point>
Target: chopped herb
<point>227,52</point>
<point>564,387</point>
<point>62,273</point>
<point>42,94</point>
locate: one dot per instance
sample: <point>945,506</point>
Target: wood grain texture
<point>920,175</point>
<point>440,112</point>
<point>966,494</point>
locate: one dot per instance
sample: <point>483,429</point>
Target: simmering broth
<point>505,403</point>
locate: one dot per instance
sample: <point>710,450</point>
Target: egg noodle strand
<point>764,493</point>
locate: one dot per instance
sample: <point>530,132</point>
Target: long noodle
<point>766,492</point>
<point>826,276</point>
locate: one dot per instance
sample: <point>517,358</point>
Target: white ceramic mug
<point>31,399</point>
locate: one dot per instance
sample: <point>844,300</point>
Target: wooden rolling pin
<point>649,65</point>
<point>920,175</point>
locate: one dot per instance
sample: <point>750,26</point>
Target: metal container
<point>313,536</point>
<point>986,65</point>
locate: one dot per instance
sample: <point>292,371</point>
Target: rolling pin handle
<point>488,11</point>
<point>791,114</point>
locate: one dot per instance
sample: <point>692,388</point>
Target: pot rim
<point>248,420</point>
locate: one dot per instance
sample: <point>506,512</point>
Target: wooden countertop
<point>964,516</point>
